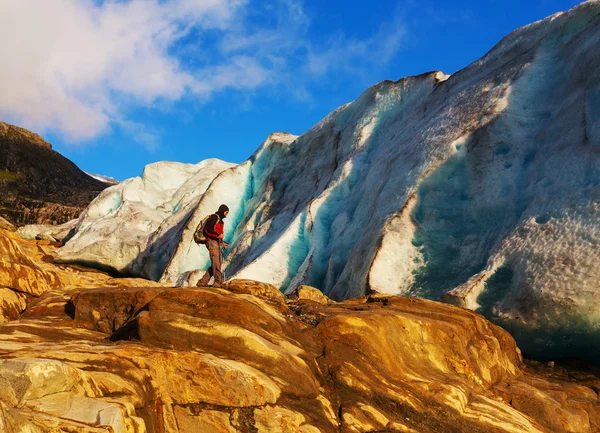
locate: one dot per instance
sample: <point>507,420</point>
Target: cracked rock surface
<point>110,355</point>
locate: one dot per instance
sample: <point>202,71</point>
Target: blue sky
<point>126,83</point>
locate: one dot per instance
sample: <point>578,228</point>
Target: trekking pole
<point>222,251</point>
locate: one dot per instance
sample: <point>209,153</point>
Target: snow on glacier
<point>481,188</point>
<point>236,187</point>
<point>115,231</point>
<point>101,178</point>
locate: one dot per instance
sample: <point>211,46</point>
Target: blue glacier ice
<point>481,189</point>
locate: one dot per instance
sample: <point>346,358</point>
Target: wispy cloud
<point>353,55</point>
<point>76,67</point>
<point>147,136</point>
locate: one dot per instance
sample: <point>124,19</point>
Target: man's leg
<point>209,273</point>
<point>203,282</point>
<point>217,269</point>
<point>216,257</point>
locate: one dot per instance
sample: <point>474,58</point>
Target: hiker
<point>214,232</point>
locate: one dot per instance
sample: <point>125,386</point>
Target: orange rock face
<point>27,267</point>
<point>95,354</point>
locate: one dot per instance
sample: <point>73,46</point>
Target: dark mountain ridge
<point>37,184</point>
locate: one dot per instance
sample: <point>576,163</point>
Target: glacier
<point>481,189</point>
<point>120,226</point>
<point>102,178</point>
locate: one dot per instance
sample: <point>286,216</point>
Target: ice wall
<point>481,189</point>
<point>426,186</point>
<point>235,187</point>
<point>120,225</point>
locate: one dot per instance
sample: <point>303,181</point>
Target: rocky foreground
<point>83,352</point>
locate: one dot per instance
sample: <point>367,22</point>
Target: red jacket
<point>214,227</point>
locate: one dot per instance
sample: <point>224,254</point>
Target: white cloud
<point>145,135</point>
<point>352,55</point>
<point>76,66</point>
<point>66,62</point>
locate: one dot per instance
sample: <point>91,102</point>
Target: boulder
<point>308,293</point>
<point>12,304</point>
<point>255,288</point>
<point>239,328</point>
<point>108,309</point>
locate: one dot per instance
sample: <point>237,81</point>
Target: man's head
<point>223,211</point>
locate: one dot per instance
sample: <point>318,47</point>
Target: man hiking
<point>214,232</point>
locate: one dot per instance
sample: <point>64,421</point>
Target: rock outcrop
<point>37,184</point>
<point>308,293</point>
<point>28,276</point>
<point>81,351</point>
<point>195,360</point>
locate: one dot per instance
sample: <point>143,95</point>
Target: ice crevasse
<point>481,189</point>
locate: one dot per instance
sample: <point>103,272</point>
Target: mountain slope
<point>37,184</point>
<point>482,188</point>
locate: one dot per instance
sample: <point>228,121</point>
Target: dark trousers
<point>216,259</point>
